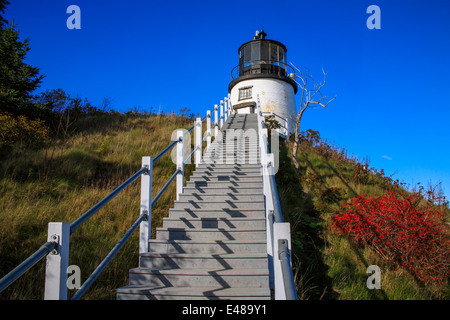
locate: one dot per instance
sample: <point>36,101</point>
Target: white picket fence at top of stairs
<point>56,249</point>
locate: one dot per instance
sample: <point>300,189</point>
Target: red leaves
<point>406,229</point>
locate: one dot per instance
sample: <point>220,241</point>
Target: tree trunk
<point>294,155</point>
<point>297,139</point>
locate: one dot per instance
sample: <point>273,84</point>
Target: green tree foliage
<point>271,123</point>
<point>61,111</point>
<point>17,79</point>
<point>3,4</point>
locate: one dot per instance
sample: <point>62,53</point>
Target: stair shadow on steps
<point>182,234</point>
<point>209,223</point>
<point>190,212</point>
<point>232,189</point>
<point>231,203</point>
<point>188,224</point>
<point>224,246</point>
<point>228,223</point>
<point>222,262</point>
<point>194,204</point>
<point>199,184</point>
<point>232,213</point>
<point>219,279</point>
<point>230,194</point>
<point>230,179</point>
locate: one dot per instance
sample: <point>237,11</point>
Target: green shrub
<point>21,130</point>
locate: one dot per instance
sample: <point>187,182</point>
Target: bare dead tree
<point>311,97</point>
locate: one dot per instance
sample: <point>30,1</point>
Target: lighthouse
<point>263,74</point>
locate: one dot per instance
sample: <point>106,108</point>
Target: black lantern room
<point>262,58</point>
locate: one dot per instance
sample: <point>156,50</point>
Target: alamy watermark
<point>374,280</point>
<point>74,20</point>
<point>73,277</point>
<point>236,146</point>
<point>374,20</point>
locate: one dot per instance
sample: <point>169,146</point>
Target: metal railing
<point>266,67</point>
<point>278,232</point>
<point>56,249</point>
<point>15,274</point>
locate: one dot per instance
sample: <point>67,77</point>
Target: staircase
<point>213,243</point>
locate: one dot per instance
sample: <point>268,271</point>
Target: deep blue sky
<point>392,84</point>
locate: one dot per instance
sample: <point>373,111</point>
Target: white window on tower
<point>245,93</point>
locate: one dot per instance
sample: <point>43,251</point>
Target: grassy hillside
<point>61,181</point>
<point>64,178</point>
<point>328,265</point>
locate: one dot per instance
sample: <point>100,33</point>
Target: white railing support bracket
<point>146,204</point>
<point>57,261</point>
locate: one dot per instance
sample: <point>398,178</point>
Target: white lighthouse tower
<point>263,73</point>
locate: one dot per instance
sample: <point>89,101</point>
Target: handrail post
<point>225,109</point>
<point>208,129</point>
<point>57,261</point>
<point>284,254</point>
<point>269,206</point>
<point>281,231</point>
<point>180,162</point>
<point>216,121</point>
<point>198,142</point>
<point>146,204</point>
<point>221,114</point>
<point>263,142</point>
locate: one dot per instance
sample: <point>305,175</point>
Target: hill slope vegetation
<point>60,179</point>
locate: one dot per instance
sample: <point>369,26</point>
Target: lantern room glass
<point>262,56</point>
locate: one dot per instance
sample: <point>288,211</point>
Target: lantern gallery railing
<point>263,67</point>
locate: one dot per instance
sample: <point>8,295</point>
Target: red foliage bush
<point>407,229</point>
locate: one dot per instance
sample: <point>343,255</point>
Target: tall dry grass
<point>62,180</point>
